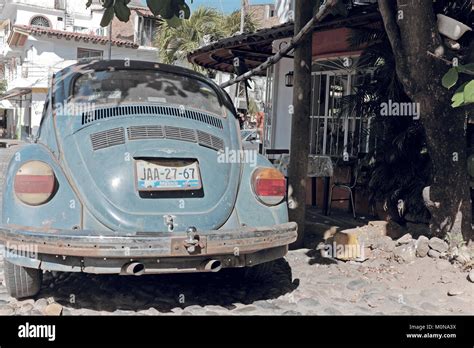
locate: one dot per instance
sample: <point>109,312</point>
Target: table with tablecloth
<point>318,167</point>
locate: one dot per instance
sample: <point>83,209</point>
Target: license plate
<point>167,175</point>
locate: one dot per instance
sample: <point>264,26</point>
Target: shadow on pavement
<point>317,258</point>
<point>164,292</point>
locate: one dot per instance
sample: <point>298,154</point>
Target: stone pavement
<point>303,284</point>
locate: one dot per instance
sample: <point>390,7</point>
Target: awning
<point>15,92</point>
<point>256,48</point>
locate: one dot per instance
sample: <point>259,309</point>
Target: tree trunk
<point>413,33</point>
<point>300,123</point>
<point>449,190</point>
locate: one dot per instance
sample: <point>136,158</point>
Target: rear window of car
<point>145,87</point>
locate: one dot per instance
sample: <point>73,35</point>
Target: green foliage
<point>171,10</point>
<point>3,86</point>
<point>231,23</point>
<point>107,16</point>
<point>469,92</point>
<point>464,95</point>
<point>450,78</point>
<point>176,40</point>
<point>455,239</point>
<point>458,97</point>
<point>122,11</point>
<point>467,68</point>
<point>253,107</point>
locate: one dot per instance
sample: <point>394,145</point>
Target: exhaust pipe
<point>134,268</point>
<point>212,266</point>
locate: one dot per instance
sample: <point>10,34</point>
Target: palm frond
<point>204,24</point>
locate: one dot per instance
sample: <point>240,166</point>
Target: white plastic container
<point>451,28</point>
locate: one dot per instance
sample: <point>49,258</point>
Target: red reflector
<point>34,184</point>
<point>270,187</point>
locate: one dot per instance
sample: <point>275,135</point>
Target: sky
<point>226,6</point>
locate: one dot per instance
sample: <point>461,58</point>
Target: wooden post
<point>243,12</point>
<point>109,43</point>
<point>300,123</point>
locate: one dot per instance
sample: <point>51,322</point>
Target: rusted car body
<point>138,168</point>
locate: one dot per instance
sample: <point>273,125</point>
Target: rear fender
<point>64,210</point>
<point>251,211</point>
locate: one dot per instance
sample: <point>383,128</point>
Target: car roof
<point>124,64</point>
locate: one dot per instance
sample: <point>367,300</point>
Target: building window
<point>87,54</point>
<point>83,30</point>
<point>146,30</point>
<point>269,11</point>
<point>100,32</point>
<point>335,131</point>
<point>40,21</point>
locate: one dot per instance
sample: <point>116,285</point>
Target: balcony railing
<point>35,74</point>
<point>34,71</point>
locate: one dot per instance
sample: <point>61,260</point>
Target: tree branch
<point>434,55</point>
<point>389,16</point>
<point>324,10</point>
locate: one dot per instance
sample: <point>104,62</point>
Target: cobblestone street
<point>304,283</point>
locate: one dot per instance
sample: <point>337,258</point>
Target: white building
<point>40,37</point>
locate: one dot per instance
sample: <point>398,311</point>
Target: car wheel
<point>259,272</point>
<point>22,281</point>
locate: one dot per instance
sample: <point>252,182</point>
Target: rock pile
<point>373,240</point>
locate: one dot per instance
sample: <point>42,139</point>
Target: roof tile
<point>36,30</point>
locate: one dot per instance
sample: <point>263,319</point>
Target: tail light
<point>269,185</point>
<point>35,183</point>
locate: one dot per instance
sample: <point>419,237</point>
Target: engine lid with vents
<point>100,159</point>
<point>158,111</point>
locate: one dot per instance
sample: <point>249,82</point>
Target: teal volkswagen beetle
<point>138,168</point>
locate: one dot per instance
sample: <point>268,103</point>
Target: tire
<point>21,281</point>
<point>258,273</point>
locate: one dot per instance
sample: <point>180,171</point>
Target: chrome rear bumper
<point>99,252</point>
